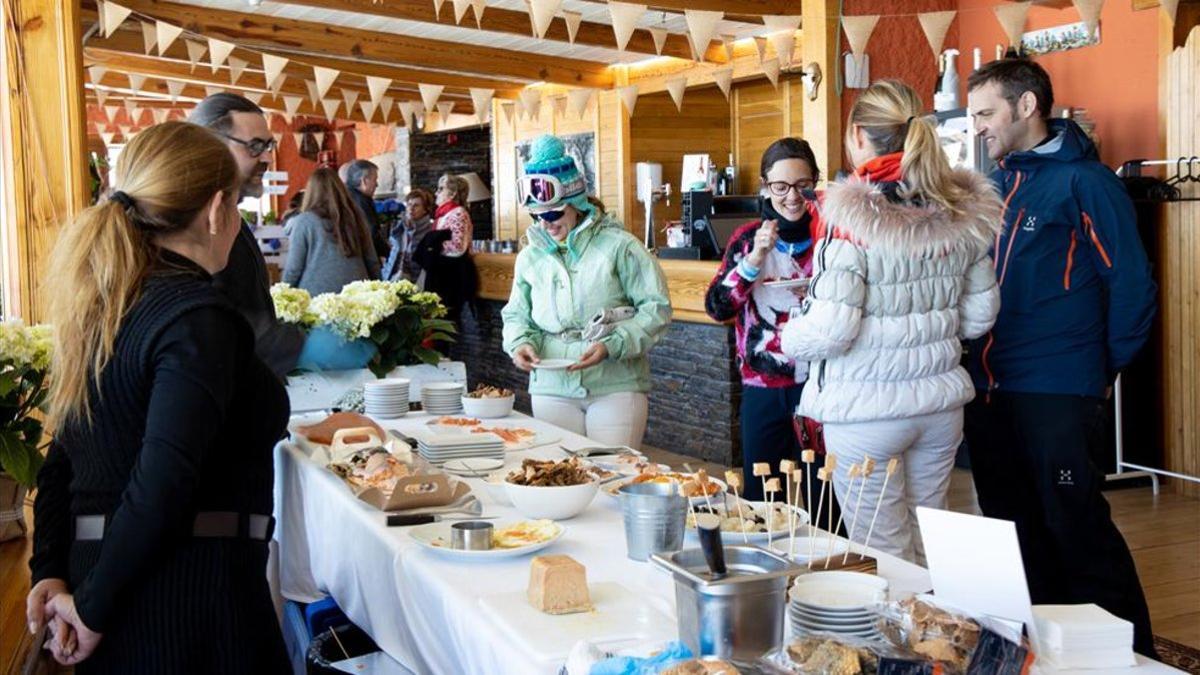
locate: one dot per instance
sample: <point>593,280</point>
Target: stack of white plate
<point>442,398</point>
<point>440,448</point>
<point>386,399</point>
<point>836,602</point>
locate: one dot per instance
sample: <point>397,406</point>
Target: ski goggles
<point>540,189</point>
<point>548,216</point>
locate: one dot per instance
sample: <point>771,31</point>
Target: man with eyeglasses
<point>244,280</point>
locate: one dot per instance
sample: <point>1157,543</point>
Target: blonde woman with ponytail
<point>901,275</point>
<point>153,507</point>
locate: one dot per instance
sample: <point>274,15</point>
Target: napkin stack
<point>1083,636</point>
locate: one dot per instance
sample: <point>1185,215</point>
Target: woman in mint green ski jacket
<point>585,292</point>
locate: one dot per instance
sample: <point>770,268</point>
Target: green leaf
<point>380,333</point>
<point>442,336</point>
<point>426,355</point>
<point>9,381</point>
<point>18,458</point>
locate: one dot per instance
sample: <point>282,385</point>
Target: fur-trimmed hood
<point>858,209</point>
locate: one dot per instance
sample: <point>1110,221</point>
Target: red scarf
<point>443,209</point>
<point>882,169</point>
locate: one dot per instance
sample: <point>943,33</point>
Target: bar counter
<point>696,389</point>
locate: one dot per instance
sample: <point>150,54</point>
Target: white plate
<point>834,591</point>
<point>788,283</point>
<point>553,364</point>
<point>472,466</point>
<point>436,537</point>
<point>735,536</point>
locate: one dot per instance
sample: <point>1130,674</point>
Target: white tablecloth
<point>421,608</point>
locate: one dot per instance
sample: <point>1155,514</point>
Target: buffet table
<point>424,609</point>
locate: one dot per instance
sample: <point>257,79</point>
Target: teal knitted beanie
<point>548,157</point>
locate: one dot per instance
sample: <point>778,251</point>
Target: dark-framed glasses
<point>780,188</point>
<point>549,216</point>
<point>255,147</point>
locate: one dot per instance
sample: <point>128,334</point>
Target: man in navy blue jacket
<point>1077,300</point>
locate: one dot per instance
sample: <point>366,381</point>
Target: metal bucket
<point>654,518</point>
<point>739,616</point>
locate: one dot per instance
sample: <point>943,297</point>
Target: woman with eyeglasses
<point>445,252</point>
<point>902,274</point>
<point>586,291</point>
<point>775,248</point>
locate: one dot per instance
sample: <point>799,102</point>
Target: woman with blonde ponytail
<point>901,275</point>
<point>153,507</point>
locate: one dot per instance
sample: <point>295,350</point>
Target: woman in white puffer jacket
<point>901,275</point>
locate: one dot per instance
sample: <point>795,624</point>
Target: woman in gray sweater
<point>329,245</point>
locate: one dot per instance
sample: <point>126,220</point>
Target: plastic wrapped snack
<point>958,643</point>
<point>832,654</point>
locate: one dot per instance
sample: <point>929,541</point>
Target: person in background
<point>245,281</point>
<point>1077,301</point>
<point>902,274</point>
<point>406,234</point>
<point>777,246</point>
<point>292,210</point>
<point>445,252</point>
<point>362,178</point>
<point>150,553</point>
<point>329,245</point>
<point>586,290</point>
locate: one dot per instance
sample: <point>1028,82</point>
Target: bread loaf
<point>558,585</point>
<point>323,431</point>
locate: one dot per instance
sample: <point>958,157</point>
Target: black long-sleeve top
<point>183,420</point>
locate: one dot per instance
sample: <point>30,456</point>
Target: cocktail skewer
<point>868,466</point>
<point>734,479</point>
<point>771,487</point>
<point>891,469</point>
<point>808,457</point>
<point>786,467</point>
<point>823,477</point>
<point>854,471</point>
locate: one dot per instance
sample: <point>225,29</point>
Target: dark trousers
<point>1031,461</point>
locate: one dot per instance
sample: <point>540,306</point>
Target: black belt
<point>218,524</point>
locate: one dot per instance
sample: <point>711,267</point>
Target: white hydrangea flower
<point>291,304</point>
<point>22,346</point>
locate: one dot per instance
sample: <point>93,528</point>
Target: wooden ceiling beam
<point>513,22</point>
<point>130,42</point>
<point>251,80</point>
<point>743,11</point>
<point>273,33</point>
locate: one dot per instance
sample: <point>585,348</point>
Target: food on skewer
<point>797,476</point>
<point>786,467</point>
<point>868,466</point>
<point>734,480</point>
<point>891,469</point>
<point>854,473</point>
<point>830,469</point>
<point>808,457</point>
<point>771,488</point>
<point>823,477</point>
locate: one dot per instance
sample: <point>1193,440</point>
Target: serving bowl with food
<point>509,538</point>
<point>557,490</point>
<point>694,486</point>
<point>759,520</point>
<point>488,402</point>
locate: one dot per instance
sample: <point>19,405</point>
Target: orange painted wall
<point>1117,80</point>
<point>299,168</point>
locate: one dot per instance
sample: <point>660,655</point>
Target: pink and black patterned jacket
<point>758,312</point>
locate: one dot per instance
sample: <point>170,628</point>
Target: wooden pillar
<point>823,117</point>
<point>44,151</point>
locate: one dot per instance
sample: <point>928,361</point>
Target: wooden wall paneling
<point>612,155</point>
<point>45,175</point>
<point>795,103</point>
<point>1179,294</point>
<point>760,121</point>
<point>660,133</point>
<point>822,118</point>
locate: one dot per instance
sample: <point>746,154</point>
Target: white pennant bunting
<point>107,137</point>
<point>629,96</point>
<point>320,136</point>
<point>573,20</point>
<point>368,109</point>
<point>785,44</point>
<point>338,136</point>
<point>760,45</point>
<point>675,87</point>
<point>578,100</point>
<point>149,37</point>
<point>430,93</point>
<point>254,97</point>
<point>324,78</point>
<point>313,96</point>
<point>858,31</point>
<point>195,50</point>
<point>218,51</point>
<point>479,6</point>
<point>1170,8</point>
<point>236,68</point>
<point>110,111</point>
<point>114,15</point>
<point>385,105</point>
<point>1089,11</point>
<point>406,112</point>
<point>724,79</point>
<point>174,89</point>
<point>97,73</point>
<point>660,38</point>
<point>771,69</point>
<point>350,97</point>
<point>542,12</point>
<point>159,114</point>
<point>625,16</point>
<point>213,90</point>
<point>559,104</point>
<point>330,105</point>
<point>531,101</point>
<point>727,41</point>
<point>377,85</point>
<point>419,110</point>
<point>136,82</point>
<point>701,26</point>
<point>437,8</point>
<point>481,99</point>
<point>166,34</point>
<point>1012,19</point>
<point>134,112</point>
<point>124,129</point>
<point>460,9</point>
<point>101,96</point>
<point>273,70</point>
<point>935,25</point>
<point>444,109</point>
<point>509,108</point>
<point>518,108</point>
<point>290,105</point>
<point>298,139</point>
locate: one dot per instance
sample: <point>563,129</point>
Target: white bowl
<point>488,407</point>
<point>496,487</point>
<point>555,503</point>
